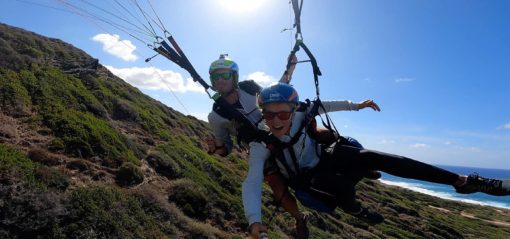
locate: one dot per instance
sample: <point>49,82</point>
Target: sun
<point>241,6</point>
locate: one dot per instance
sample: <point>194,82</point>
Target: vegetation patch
<point>14,163</point>
<point>222,184</point>
<point>129,174</point>
<point>164,165</point>
<point>53,178</point>
<point>191,198</point>
<point>109,213</point>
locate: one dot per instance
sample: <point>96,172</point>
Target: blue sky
<point>440,70</point>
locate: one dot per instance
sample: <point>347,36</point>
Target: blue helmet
<point>278,93</point>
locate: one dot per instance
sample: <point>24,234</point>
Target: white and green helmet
<point>225,63</point>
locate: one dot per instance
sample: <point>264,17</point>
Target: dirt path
<point>495,222</point>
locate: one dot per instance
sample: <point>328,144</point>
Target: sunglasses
<point>282,115</point>
<point>224,76</point>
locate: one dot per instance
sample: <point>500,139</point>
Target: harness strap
<point>277,146</point>
<point>297,16</point>
<point>294,160</point>
<point>240,117</point>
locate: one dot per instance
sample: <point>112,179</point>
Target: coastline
<point>451,195</point>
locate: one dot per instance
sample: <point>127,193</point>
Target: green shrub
<point>78,164</point>
<point>164,165</point>
<point>17,164</point>
<point>205,170</point>
<point>42,156</point>
<point>56,144</point>
<point>31,51</point>
<point>28,211</point>
<point>52,178</point>
<point>122,110</point>
<point>191,198</point>
<point>85,136</point>
<point>14,97</point>
<point>109,213</point>
<point>129,174</point>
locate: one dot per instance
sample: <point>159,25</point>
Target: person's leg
<point>350,141</point>
<point>282,195</point>
<point>342,186</point>
<point>288,202</point>
<point>350,159</point>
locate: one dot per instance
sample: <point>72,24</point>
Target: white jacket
<point>306,150</point>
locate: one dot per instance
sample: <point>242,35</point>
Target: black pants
<point>336,189</point>
<point>349,160</point>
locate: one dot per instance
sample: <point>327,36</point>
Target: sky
<point>439,70</point>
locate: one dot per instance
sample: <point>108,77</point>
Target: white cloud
<point>112,44</point>
<point>506,126</point>
<point>403,80</point>
<point>153,78</point>
<point>261,78</point>
<point>471,149</point>
<point>387,141</point>
<point>419,145</point>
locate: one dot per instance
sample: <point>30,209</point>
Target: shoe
<point>368,216</point>
<point>372,175</point>
<point>475,183</point>
<point>302,227</point>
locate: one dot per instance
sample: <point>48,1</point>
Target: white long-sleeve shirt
<point>306,150</point>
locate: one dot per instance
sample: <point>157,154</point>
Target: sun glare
<point>242,6</point>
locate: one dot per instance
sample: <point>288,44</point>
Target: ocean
<point>448,192</point>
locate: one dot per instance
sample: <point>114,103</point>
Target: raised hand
<point>369,103</point>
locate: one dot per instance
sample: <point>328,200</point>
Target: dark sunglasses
<point>282,115</point>
<point>224,76</point>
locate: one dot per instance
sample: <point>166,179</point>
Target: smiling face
<point>278,117</point>
<point>220,84</point>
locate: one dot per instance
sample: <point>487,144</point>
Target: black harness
<point>277,147</point>
<point>246,130</point>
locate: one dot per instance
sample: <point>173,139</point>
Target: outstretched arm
<point>252,185</point>
<point>287,74</point>
<point>341,105</point>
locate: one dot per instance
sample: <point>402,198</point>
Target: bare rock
<point>9,131</point>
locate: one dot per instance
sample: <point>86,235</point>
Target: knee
<point>277,183</point>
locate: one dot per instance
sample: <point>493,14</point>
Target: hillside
<point>85,155</point>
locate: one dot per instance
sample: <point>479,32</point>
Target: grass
<point>17,166</point>
<point>222,184</point>
<point>109,213</point>
<point>15,163</point>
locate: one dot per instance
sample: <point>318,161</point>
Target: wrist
<point>251,226</point>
